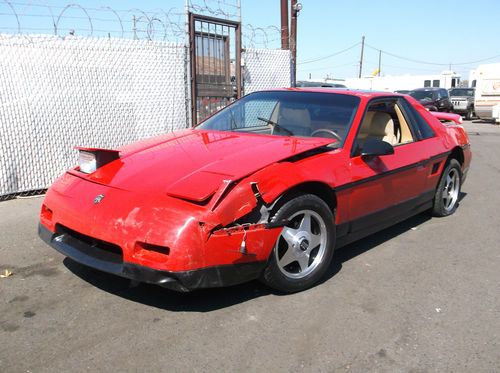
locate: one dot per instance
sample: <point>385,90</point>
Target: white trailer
<point>447,79</point>
<point>487,97</point>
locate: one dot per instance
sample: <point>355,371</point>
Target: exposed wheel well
<point>458,154</point>
<point>317,188</point>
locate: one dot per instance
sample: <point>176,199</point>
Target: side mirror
<point>375,148</point>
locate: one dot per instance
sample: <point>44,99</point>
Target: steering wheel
<point>328,131</point>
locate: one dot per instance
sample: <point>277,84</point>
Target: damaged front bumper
<point>184,281</point>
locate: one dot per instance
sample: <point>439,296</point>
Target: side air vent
<point>435,168</point>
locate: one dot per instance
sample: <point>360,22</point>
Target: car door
<point>385,188</point>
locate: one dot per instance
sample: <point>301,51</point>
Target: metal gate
<point>215,47</point>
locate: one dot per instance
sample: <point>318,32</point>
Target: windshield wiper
<point>233,121</point>
<point>276,125</point>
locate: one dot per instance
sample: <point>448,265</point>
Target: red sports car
<point>265,189</point>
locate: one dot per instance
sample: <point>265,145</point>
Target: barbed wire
<point>265,37</point>
<point>224,9</point>
<point>26,17</point>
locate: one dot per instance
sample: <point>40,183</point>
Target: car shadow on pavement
<point>203,300</point>
<point>207,300</point>
<point>348,252</point>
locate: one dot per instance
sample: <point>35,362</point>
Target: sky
<point>416,37</point>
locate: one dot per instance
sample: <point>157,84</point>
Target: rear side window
<point>424,131</point>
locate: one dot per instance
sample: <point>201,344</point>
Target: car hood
<point>193,164</point>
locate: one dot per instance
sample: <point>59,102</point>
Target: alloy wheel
<point>451,189</point>
<point>302,244</point>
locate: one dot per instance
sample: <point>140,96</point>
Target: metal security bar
<point>215,47</point>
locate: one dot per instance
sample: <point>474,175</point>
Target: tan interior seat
<point>296,117</point>
<point>377,125</point>
<point>405,135</point>
<point>296,120</point>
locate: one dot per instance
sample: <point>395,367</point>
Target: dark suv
<point>433,99</point>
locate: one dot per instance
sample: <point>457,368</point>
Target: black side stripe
<point>391,172</point>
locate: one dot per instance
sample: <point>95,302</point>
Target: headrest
<point>295,117</point>
<point>381,122</point>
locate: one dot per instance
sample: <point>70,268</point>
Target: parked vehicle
<point>462,100</point>
<point>266,188</point>
<point>402,91</point>
<point>487,98</point>
<point>433,99</point>
<point>311,84</point>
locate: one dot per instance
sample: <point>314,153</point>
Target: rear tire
<point>303,251</point>
<point>448,190</point>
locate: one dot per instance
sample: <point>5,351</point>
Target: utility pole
<point>293,41</point>
<point>361,59</point>
<point>134,27</point>
<point>379,61</point>
<point>285,36</point>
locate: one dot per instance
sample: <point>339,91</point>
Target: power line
<point>353,63</point>
<point>477,61</point>
<point>428,62</point>
<point>330,55</point>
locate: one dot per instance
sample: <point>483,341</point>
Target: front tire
<point>470,114</point>
<point>448,190</point>
<point>304,249</point>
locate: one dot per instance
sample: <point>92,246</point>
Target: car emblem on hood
<point>98,199</point>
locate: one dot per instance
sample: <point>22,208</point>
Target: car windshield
<point>288,113</point>
<point>462,92</point>
<point>421,95</point>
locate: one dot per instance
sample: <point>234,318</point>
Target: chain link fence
<point>265,69</point>
<point>58,92</point>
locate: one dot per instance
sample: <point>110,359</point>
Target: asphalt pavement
<point>422,296</point>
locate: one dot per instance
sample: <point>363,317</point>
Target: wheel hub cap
<point>302,244</point>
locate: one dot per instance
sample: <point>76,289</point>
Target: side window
<point>384,120</point>
<point>435,83</point>
<point>444,93</point>
<point>427,83</point>
<point>419,124</point>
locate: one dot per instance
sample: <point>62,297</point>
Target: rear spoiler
<point>447,117</point>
